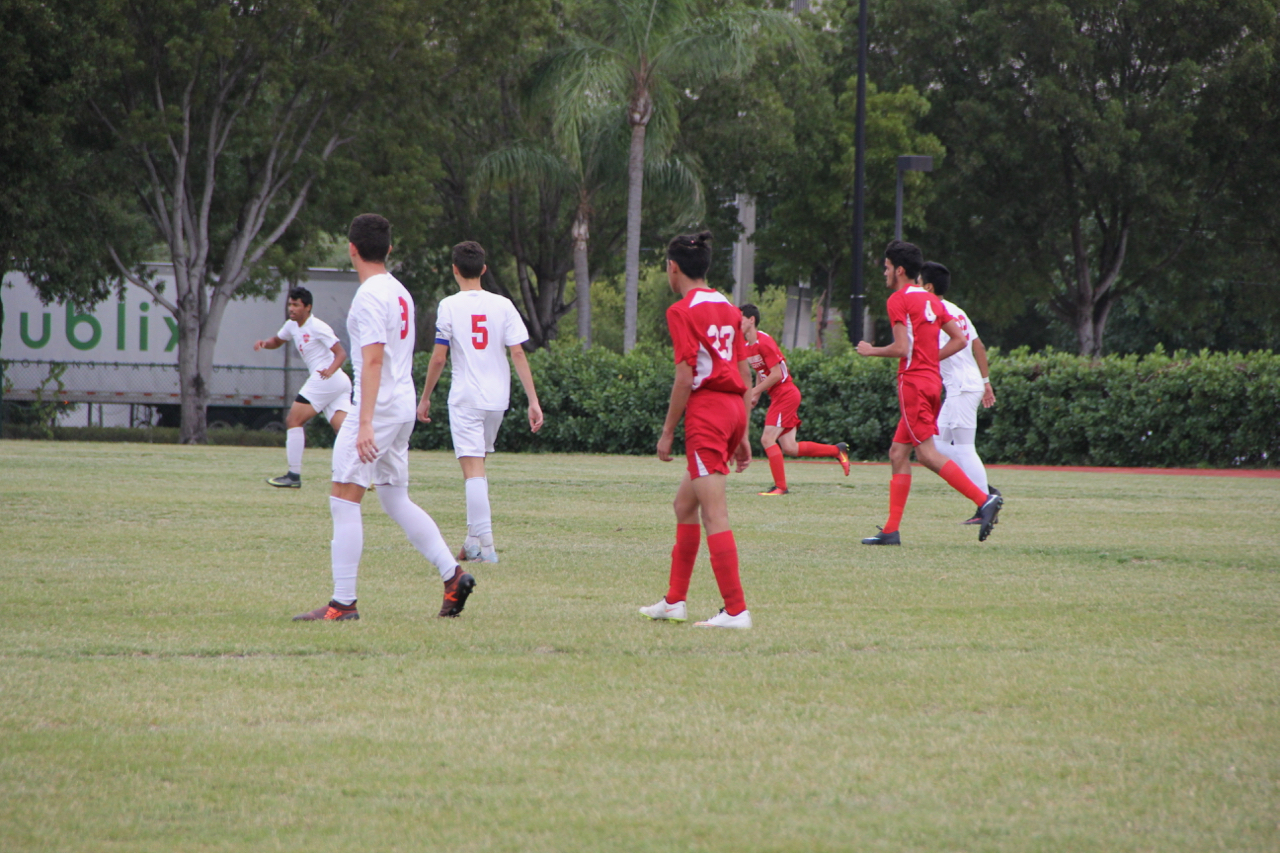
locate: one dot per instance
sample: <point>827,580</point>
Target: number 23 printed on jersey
<point>721,338</point>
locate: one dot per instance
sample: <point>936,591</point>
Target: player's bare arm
<point>681,388</point>
<point>521,363</point>
<point>774,377</point>
<point>435,367</point>
<point>339,359</point>
<point>957,342</point>
<point>742,455</point>
<point>272,342</point>
<point>898,349</point>
<point>980,357</point>
<point>370,382</point>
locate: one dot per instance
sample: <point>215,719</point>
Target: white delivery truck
<point>119,360</point>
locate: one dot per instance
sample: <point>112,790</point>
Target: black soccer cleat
<point>288,481</point>
<point>456,592</point>
<point>977,514</point>
<point>989,513</point>
<point>883,538</point>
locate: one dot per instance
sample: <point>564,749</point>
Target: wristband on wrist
<point>986,380</point>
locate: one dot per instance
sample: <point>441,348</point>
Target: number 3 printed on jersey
<point>479,331</point>
<point>722,339</point>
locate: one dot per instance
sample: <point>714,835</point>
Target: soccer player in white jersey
<point>380,325</point>
<point>479,328</point>
<point>965,378</point>
<point>327,388</point>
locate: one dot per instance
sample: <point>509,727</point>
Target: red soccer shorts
<point>919,402</point>
<point>714,424</point>
<point>784,407</point>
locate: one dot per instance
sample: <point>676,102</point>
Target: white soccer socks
<point>294,440</point>
<point>479,516</point>
<point>964,452</point>
<point>421,529</point>
<point>345,548</point>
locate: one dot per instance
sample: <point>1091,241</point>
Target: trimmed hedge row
<point>1053,408</point>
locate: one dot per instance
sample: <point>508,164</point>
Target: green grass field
<point>1102,675</point>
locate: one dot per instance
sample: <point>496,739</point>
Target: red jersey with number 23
<point>704,330</point>
<point>923,314</point>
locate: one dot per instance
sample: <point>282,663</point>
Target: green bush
<point>1210,410</point>
<point>1053,408</point>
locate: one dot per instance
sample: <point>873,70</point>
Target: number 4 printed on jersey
<point>479,331</point>
<point>722,339</point>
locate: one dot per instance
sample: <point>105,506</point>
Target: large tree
<point>223,119</point>
<point>1090,144</point>
<point>635,55</point>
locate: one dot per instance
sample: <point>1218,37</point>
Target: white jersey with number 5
<point>382,313</point>
<point>477,326</point>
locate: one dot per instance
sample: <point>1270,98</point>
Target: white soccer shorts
<point>474,430</point>
<point>960,410</point>
<point>328,396</point>
<point>391,468</point>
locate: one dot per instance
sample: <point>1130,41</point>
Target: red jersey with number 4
<point>763,355</point>
<point>704,331</point>
<point>923,314</point>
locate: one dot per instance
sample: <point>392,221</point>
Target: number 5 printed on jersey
<point>479,331</point>
<point>722,339</point>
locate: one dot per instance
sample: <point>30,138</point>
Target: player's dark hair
<point>301,294</point>
<point>371,235</point>
<point>468,257</point>
<point>751,311</point>
<point>906,255</point>
<point>692,253</point>
<point>932,272</point>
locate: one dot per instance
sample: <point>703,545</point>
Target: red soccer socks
<point>724,563</point>
<point>957,479</point>
<point>683,556</point>
<point>777,467</point>
<point>813,448</point>
<point>899,489</point>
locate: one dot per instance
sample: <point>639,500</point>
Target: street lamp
<point>908,163</point>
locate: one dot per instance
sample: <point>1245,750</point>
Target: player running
<point>479,328</point>
<point>327,388</point>
<point>917,315</point>
<point>380,324</point>
<point>964,376</point>
<point>783,418</point>
<point>710,393</point>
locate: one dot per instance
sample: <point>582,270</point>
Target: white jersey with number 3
<point>382,313</point>
<point>478,326</point>
<point>960,372</point>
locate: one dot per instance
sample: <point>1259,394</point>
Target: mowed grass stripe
<point>1102,674</point>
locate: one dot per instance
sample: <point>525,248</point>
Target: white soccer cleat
<point>724,620</point>
<point>662,610</point>
<point>470,551</point>
<point>490,556</point>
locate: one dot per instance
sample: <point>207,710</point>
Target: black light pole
<point>858,296</point>
<point>908,163</point>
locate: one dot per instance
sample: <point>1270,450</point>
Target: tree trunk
<point>582,276</point>
<point>192,385</point>
<point>1085,306</point>
<point>635,185</point>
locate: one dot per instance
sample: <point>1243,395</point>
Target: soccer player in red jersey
<point>917,315</point>
<point>710,393</point>
<point>783,418</point>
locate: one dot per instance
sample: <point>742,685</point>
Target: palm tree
<point>640,52</point>
<point>582,167</point>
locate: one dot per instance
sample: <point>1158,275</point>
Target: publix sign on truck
<point>125,351</point>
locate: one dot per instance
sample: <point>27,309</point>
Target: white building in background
<point>120,358</point>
